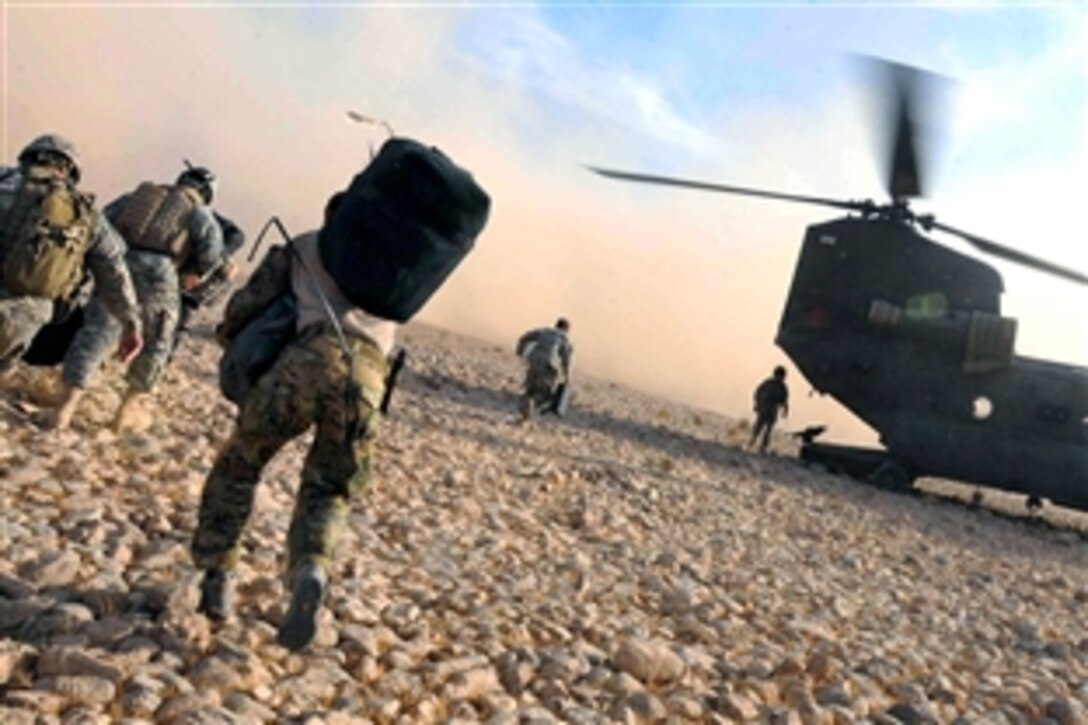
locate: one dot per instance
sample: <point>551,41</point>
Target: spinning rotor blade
<point>1011,255</point>
<point>863,206</point>
<point>904,178</point>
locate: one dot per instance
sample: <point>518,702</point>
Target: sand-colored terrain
<point>629,563</point>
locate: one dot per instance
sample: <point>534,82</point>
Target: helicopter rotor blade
<point>862,206</point>
<point>904,174</point>
<point>1012,255</point>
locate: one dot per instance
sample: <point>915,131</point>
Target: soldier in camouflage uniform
<point>548,352</point>
<point>320,379</point>
<point>158,287</point>
<point>53,159</point>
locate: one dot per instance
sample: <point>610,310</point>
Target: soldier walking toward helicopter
<point>771,395</point>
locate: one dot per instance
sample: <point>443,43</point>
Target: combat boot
<point>300,624</point>
<point>215,597</point>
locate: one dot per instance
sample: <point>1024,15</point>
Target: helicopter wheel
<point>891,477</point>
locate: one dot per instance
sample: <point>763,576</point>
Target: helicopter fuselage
<point>908,335</point>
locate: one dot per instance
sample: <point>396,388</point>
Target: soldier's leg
<point>757,429</point>
<point>160,298</point>
<point>768,424</point>
<point>89,348</point>
<point>278,409</point>
<point>337,467</point>
<point>20,320</point>
<point>338,464</point>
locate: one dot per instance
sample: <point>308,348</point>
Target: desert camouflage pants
<point>159,297</point>
<point>20,320</point>
<point>309,384</point>
<point>541,380</point>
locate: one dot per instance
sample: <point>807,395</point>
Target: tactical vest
<point>46,237</point>
<point>155,217</point>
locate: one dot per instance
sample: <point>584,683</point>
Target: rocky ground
<point>629,563</point>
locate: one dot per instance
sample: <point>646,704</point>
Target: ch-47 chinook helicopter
<point>908,335</point>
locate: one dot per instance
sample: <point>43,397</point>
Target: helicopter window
<point>927,305</point>
<point>982,408</point>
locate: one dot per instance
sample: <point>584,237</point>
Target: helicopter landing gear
<point>890,476</point>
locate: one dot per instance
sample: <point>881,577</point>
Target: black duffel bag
<point>403,225</point>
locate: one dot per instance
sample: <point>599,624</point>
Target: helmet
<point>49,147</point>
<point>779,372</point>
<point>201,179</point>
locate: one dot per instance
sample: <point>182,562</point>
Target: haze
<point>674,292</point>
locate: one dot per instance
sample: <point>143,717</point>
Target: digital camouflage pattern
<point>309,385</point>
<point>156,281</point>
<point>22,317</point>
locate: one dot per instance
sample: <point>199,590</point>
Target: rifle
<point>391,379</point>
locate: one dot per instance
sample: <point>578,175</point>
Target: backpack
<point>155,218</point>
<point>252,352</point>
<point>405,222</point>
<point>49,229</point>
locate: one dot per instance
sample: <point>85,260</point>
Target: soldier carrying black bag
<point>388,242</point>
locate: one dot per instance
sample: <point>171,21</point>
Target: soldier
<point>167,228</point>
<point>321,377</point>
<point>50,236</point>
<point>548,352</point>
<point>770,396</point>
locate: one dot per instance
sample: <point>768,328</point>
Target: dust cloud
<point>675,293</point>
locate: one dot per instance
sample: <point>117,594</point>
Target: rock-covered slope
<point>629,563</point>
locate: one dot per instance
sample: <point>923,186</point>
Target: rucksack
<point>46,237</point>
<point>403,225</point>
<point>155,218</point>
<point>252,352</point>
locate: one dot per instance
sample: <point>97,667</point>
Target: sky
<point>675,292</point>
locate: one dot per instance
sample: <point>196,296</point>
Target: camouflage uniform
<point>21,317</point>
<point>309,384</point>
<point>158,290</point>
<point>548,352</point>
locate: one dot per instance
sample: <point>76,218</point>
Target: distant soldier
<point>50,237</point>
<point>770,396</point>
<point>547,352</point>
<point>168,228</point>
<point>310,383</point>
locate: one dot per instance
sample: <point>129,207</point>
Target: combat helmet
<point>48,147</point>
<point>201,179</point>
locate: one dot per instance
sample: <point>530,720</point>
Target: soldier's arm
<point>271,279</point>
<point>113,284</point>
<point>525,341</point>
<point>207,240</point>
<point>233,237</point>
